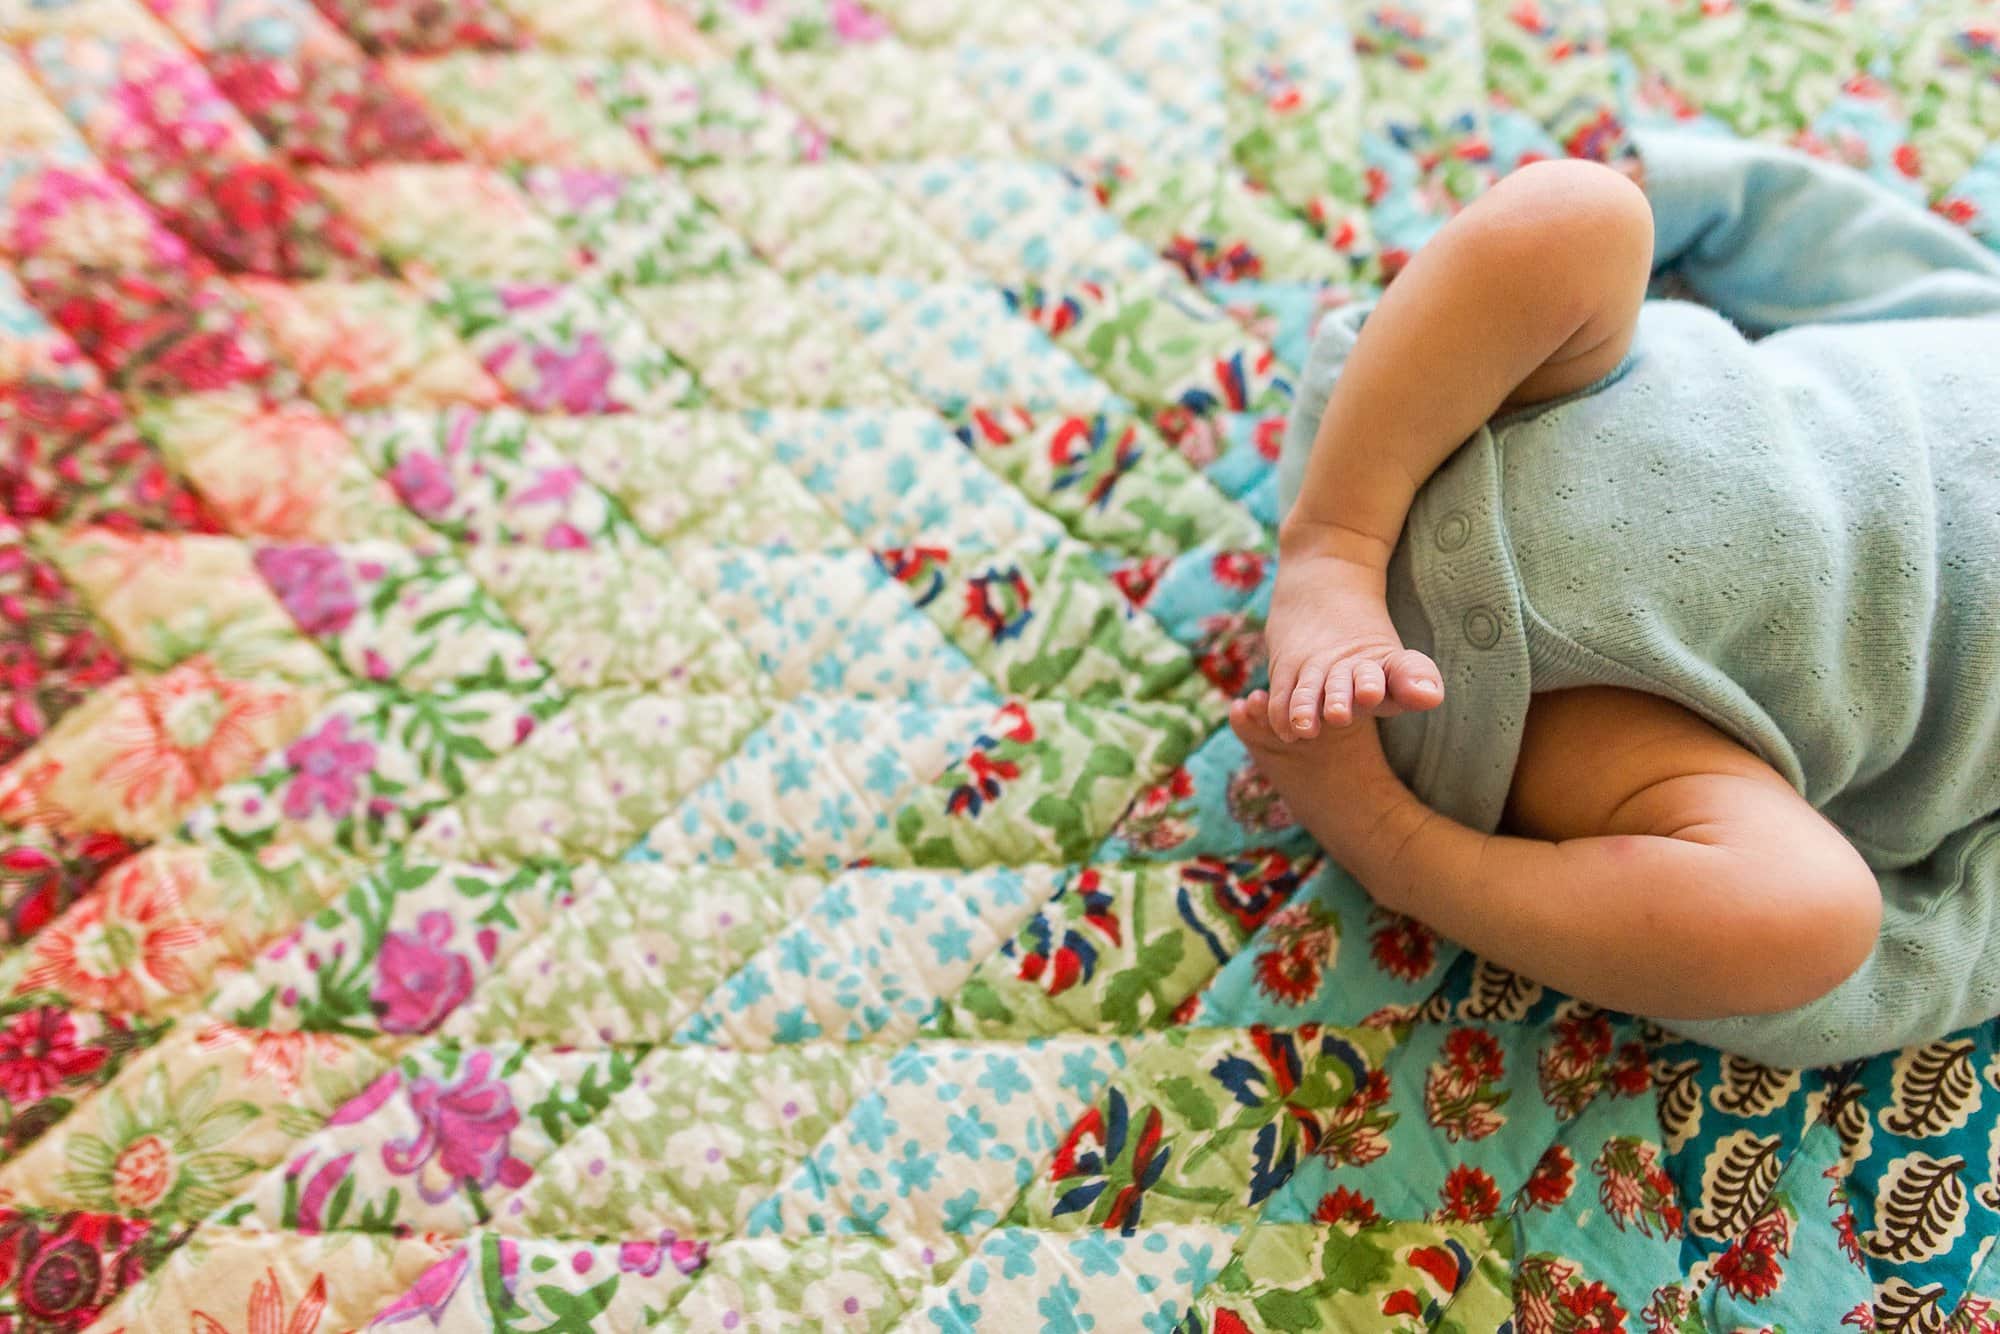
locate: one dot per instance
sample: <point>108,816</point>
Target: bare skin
<point>1647,861</point>
<point>1490,314</point>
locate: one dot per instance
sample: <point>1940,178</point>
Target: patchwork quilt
<point>617,621</point>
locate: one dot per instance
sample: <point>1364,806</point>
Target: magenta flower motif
<point>165,108</point>
<point>424,484</point>
<point>580,189</point>
<point>578,381</point>
<point>644,1258</point>
<point>418,980</point>
<point>319,1188</point>
<point>462,1135</point>
<point>429,1295</point>
<point>314,585</point>
<point>39,1053</point>
<point>363,1104</point>
<point>565,536</point>
<point>856,24</point>
<point>527,296</point>
<point>554,486</point>
<point>325,766</point>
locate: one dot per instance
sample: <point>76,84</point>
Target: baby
<point>1655,663</point>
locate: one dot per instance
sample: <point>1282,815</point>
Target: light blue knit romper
<point>1796,537</point>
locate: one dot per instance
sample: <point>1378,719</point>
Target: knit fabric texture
<point>1782,512</point>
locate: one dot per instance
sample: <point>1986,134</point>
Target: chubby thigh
<point>1601,760</point>
<point>1935,969</point>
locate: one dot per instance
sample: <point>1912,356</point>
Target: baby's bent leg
<point>1935,969</point>
<point>1705,891</point>
<point>1530,293</point>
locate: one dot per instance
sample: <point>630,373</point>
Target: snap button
<point>1482,628</point>
<point>1453,530</point>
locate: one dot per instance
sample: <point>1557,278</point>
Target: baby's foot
<point>1335,654</point>
<point>1339,787</point>
<point>1298,771</point>
<point>1250,719</point>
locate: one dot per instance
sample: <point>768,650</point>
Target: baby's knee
<point>1822,952</point>
<point>1585,234</point>
<point>1583,194</point>
<point>1598,214</point>
<point>1848,1022</point>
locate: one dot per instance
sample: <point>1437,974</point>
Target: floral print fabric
<point>614,620</point>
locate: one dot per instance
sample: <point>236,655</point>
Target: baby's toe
<point>1250,719</point>
<point>1304,713</point>
<point>1370,686</point>
<point>1339,707</point>
<point>1413,680</point>
<point>1274,705</point>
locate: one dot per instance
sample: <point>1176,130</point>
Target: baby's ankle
<point>1318,539</point>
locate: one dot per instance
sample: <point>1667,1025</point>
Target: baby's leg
<point>1670,872</point>
<point>1529,294</point>
<point>1933,972</point>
